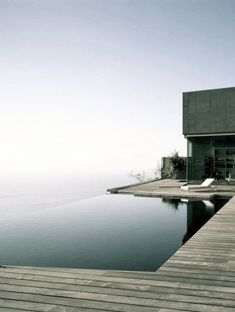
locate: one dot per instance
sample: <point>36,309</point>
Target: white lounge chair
<point>205,185</point>
<point>209,204</point>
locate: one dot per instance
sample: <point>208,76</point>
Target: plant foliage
<point>174,166</point>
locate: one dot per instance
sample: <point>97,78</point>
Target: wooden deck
<point>171,188</point>
<point>199,277</point>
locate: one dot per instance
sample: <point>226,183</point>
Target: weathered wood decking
<point>199,277</point>
<point>171,188</point>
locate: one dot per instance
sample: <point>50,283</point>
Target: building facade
<point>209,127</point>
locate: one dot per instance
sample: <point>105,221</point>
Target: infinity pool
<point>103,232</point>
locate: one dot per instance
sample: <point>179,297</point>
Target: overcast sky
<point>96,85</point>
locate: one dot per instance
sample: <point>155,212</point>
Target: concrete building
<point>209,127</point>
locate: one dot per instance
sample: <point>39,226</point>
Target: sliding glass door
<point>224,162</point>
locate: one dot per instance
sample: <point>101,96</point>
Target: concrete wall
<point>209,111</point>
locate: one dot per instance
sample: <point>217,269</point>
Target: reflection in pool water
<point>198,212</point>
<point>103,232</point>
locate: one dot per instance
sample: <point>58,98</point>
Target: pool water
<point>110,231</point>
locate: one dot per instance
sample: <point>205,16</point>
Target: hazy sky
<point>96,85</point>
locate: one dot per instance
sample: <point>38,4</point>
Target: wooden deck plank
<point>116,303</point>
<point>9,286</point>
<point>135,290</point>
<point>8,305</point>
<point>149,293</point>
<point>53,303</point>
<point>160,280</point>
<point>127,297</point>
<point>20,304</point>
<point>198,271</point>
<point>6,309</point>
<point>213,274</point>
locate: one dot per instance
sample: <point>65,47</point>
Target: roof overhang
<point>207,135</point>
